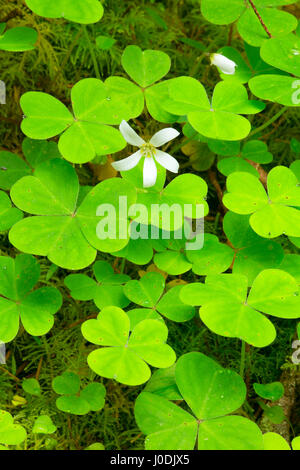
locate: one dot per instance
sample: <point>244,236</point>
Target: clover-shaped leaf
<point>125,356</point>
<point>35,308</point>
<point>106,290</point>
<point>252,253</point>
<point>12,167</point>
<point>173,259</point>
<point>253,150</point>
<point>229,311</point>
<point>213,258</point>
<point>274,213</point>
<point>273,391</point>
<point>8,215</point>
<point>278,88</point>
<point>10,434</point>
<point>155,199</point>
<point>31,386</point>
<point>211,392</point>
<point>43,425</point>
<point>79,11</point>
<point>64,228</point>
<point>274,441</point>
<point>148,294</point>
<point>18,39</point>
<point>219,119</point>
<point>145,67</point>
<point>249,26</point>
<point>74,400</point>
<point>88,133</point>
<point>283,53</point>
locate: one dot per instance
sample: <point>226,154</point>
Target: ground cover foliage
<point>129,343</point>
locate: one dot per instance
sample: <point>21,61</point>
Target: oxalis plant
<point>152,204</point>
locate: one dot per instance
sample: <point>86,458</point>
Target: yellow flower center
<point>148,150</point>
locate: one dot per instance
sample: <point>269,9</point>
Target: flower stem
<point>243,359</point>
<point>92,52</point>
<point>260,18</point>
<point>270,121</point>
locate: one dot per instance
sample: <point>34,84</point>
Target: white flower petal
<point>163,136</point>
<point>167,161</point>
<point>226,65</point>
<point>149,172</point>
<point>130,135</point>
<point>128,163</point>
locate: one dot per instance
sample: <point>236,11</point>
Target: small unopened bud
<point>226,65</point>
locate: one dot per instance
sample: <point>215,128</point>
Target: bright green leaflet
<point>211,393</point>
<point>273,214</point>
<point>74,400</point>
<point>155,97</point>
<point>278,22</point>
<point>156,198</point>
<point>163,383</point>
<point>18,39</point>
<point>34,307</point>
<point>105,291</point>
<point>105,42</point>
<point>219,119</point>
<point>249,27</point>
<point>10,434</point>
<point>273,441</point>
<point>171,256</point>
<point>274,413</point>
<point>145,67</point>
<point>95,446</point>
<point>148,294</point>
<point>278,88</point>
<point>8,215</point>
<point>283,53</point>
<point>124,358</point>
<point>273,391</point>
<point>32,387</point>
<point>12,167</point>
<point>253,150</point>
<point>213,258</point>
<point>43,425</point>
<point>296,443</point>
<point>60,229</point>
<point>96,106</point>
<point>253,254</point>
<point>79,11</point>
<point>228,311</point>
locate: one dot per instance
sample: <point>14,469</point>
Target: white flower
<point>226,65</point>
<point>149,151</point>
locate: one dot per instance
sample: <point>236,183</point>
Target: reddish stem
<point>260,18</point>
